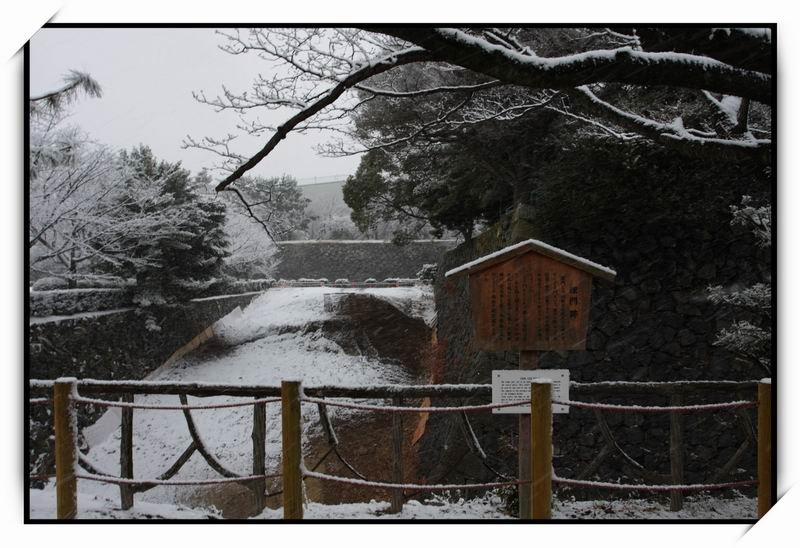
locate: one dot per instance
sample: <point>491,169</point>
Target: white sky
<point>148,76</point>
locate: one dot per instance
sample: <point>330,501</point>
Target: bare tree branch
<point>377,66</point>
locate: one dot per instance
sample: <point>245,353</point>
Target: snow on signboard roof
<point>536,246</point>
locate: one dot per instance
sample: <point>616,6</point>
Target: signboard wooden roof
<point>537,246</point>
<point>531,296</point>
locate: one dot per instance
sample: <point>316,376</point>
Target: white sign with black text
<point>513,385</point>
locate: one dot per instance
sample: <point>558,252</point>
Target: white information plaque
<point>513,385</point>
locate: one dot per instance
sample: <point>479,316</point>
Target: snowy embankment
<point>264,344</point>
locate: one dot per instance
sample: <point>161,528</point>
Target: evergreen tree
<point>191,248</point>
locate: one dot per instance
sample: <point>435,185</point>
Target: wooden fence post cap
<point>66,380</point>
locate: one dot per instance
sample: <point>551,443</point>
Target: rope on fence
<point>412,486</point>
<point>654,488</point>
<point>126,481</point>
<point>106,403</point>
<point>39,401</point>
<point>403,409</point>
<point>658,409</point>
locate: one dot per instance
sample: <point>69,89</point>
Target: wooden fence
<point>69,392</point>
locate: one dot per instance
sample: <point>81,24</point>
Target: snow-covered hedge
<point>249,286</point>
<point>313,280</point>
<point>232,287</point>
<point>428,272</point>
<point>344,282</point>
<point>49,283</point>
<point>63,302</point>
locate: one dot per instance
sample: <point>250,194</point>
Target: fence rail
<point>68,392</point>
<point>202,389</point>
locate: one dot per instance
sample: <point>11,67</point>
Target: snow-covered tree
<point>172,258</point>
<point>79,222</point>
<point>750,335</point>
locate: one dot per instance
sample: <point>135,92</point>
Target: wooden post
<point>292,450</point>
<point>397,453</point>
<point>541,471</point>
<point>259,454</point>
<point>676,453</point>
<point>66,432</point>
<point>764,447</point>
<point>527,360</point>
<point>126,453</point>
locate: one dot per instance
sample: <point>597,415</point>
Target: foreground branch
<point>374,67</point>
<point>624,65</point>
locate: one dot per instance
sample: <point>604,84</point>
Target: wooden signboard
<point>531,296</point>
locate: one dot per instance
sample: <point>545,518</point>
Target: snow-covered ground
<point>282,307</point>
<point>262,349</point>
<point>488,507</point>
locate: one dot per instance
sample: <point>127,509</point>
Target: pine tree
<point>189,252</point>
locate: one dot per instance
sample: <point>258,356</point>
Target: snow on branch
<point>625,65</point>
<point>74,82</point>
<point>430,91</point>
<point>674,134</point>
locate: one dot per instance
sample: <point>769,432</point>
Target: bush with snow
<point>749,337</point>
<point>428,272</point>
<point>63,302</point>
<point>50,283</point>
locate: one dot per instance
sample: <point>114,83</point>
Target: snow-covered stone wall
<point>124,343</point>
<point>127,343</point>
<point>357,260</point>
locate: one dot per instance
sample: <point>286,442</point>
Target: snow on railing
<point>653,488</point>
<point>129,405</point>
<point>413,486</point>
<point>158,482</point>
<point>407,409</point>
<point>658,408</point>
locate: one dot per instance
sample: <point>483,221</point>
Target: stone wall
<point>120,344</point>
<point>655,323</point>
<point>357,260</point>
<point>113,344</point>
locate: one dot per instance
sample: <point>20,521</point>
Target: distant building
<point>327,200</point>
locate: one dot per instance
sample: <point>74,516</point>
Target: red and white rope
<point>130,405</point>
<point>654,488</point>
<point>130,481</point>
<point>657,409</point>
<point>403,409</point>
<point>411,486</point>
